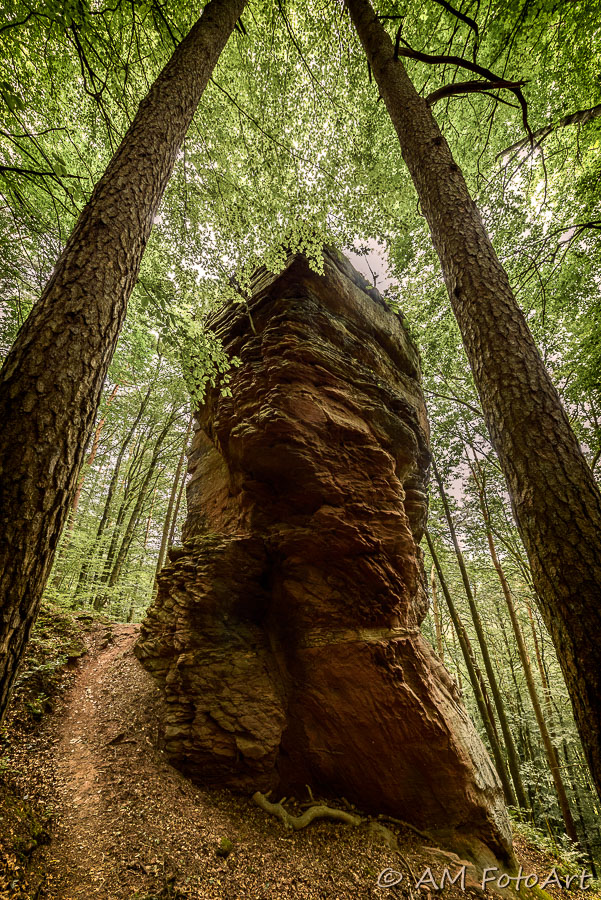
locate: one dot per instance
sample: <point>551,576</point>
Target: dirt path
<point>127,826</point>
<point>83,757</point>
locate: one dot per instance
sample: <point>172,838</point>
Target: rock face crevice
<point>285,631</point>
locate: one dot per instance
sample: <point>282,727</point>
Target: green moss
<point>225,848</point>
<point>57,639</point>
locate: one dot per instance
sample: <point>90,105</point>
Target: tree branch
<point>471,23</point>
<point>581,117</point>
<point>17,24</point>
<point>20,171</point>
<point>474,409</point>
<point>462,63</point>
<point>470,87</point>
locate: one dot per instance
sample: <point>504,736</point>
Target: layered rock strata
<point>285,632</point>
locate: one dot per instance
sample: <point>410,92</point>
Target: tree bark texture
<point>52,378</point>
<point>555,499</point>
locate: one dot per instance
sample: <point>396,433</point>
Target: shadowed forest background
<point>291,148</point>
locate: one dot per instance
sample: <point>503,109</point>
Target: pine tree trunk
<point>52,378</point>
<point>556,501</point>
<point>475,680</point>
<point>512,754</point>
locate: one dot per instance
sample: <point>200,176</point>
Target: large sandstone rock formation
<point>285,632</point>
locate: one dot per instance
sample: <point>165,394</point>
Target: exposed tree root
<point>314,812</point>
<point>318,811</point>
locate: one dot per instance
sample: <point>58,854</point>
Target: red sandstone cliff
<point>285,632</point>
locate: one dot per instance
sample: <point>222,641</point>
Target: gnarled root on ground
<point>318,811</point>
<point>314,812</point>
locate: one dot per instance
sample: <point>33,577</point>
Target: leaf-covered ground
<point>58,642</point>
<point>91,809</point>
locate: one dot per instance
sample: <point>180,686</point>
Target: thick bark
<point>556,501</point>
<point>52,378</point>
<point>475,680</point>
<point>512,754</point>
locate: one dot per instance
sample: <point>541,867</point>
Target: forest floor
<point>90,808</point>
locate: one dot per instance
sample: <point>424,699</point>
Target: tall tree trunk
<point>182,485</point>
<point>460,683</point>
<point>436,613</point>
<point>512,754</point>
<point>576,794</point>
<point>550,751</point>
<point>172,496</point>
<point>142,492</point>
<point>555,499</point>
<point>475,679</point>
<point>519,713</point>
<point>62,553</point>
<point>52,378</point>
<point>539,662</point>
<point>150,511</point>
<point>130,484</point>
<point>57,580</point>
<point>91,456</point>
<point>83,575</point>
